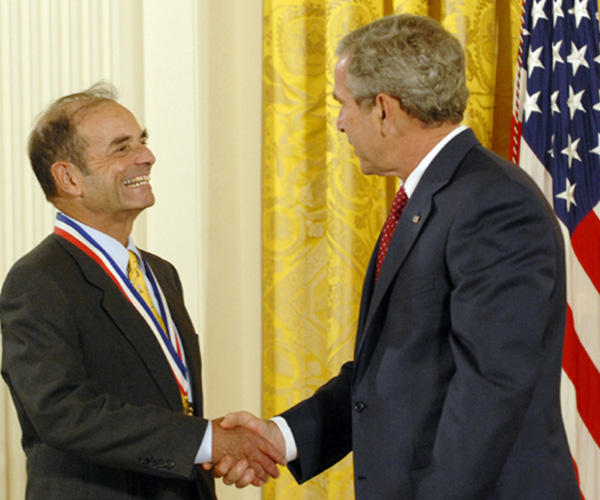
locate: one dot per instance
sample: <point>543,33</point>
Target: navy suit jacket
<point>99,407</point>
<point>454,388</point>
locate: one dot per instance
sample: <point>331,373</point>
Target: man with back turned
<point>453,393</point>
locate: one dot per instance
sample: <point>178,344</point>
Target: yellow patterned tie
<point>137,280</point>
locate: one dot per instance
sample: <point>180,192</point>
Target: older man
<point>100,355</point>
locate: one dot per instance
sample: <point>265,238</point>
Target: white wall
<point>191,72</point>
<point>202,78</point>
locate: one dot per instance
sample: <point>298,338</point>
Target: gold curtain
<point>321,215</point>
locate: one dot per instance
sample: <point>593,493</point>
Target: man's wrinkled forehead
<point>81,110</point>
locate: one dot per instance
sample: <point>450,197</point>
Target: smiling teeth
<point>137,181</point>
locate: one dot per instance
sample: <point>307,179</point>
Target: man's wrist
<point>204,455</point>
<point>291,450</point>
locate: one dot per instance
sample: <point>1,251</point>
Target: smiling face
<point>115,187</point>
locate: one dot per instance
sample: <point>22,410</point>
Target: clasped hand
<point>246,450</point>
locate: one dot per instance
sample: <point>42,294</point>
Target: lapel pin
<point>416,219</point>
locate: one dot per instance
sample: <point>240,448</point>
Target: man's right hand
<point>243,452</point>
<point>244,466</point>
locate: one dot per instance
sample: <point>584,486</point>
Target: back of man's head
<point>411,58</point>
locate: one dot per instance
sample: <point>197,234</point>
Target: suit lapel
<point>185,328</point>
<point>411,224</point>
<point>130,324</point>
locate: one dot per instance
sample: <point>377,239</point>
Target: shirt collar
<point>114,248</point>
<point>415,176</point>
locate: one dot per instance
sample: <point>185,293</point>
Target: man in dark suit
<point>99,353</point>
<point>453,392</point>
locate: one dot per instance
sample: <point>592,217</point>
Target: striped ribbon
<point>69,230</point>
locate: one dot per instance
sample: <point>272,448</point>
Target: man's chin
<point>147,203</point>
<point>367,169</point>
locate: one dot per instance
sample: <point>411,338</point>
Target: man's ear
<point>386,106</point>
<point>67,178</point>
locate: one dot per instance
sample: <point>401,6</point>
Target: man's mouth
<point>140,180</point>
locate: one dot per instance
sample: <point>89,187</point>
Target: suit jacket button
<point>359,407</point>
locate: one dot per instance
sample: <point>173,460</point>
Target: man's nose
<point>145,155</point>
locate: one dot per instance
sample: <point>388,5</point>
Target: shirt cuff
<point>291,450</point>
<point>204,455</point>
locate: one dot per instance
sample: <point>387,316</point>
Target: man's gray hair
<point>411,58</point>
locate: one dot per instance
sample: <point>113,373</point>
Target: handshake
<point>246,449</point>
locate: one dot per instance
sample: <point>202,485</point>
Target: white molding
<point>175,115</point>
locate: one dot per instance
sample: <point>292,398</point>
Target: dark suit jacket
<point>454,388</point>
<point>99,407</point>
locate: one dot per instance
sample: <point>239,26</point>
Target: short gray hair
<point>411,58</point>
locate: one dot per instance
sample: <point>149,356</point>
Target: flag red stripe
<point>578,481</point>
<point>585,377</point>
<point>586,245</point>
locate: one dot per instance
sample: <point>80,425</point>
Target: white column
<point>202,85</point>
<point>175,115</point>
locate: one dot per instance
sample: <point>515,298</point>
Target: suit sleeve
<point>322,427</point>
<point>505,258</point>
<point>61,405</point>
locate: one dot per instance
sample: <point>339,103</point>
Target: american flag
<point>556,139</point>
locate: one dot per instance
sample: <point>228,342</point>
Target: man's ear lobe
<point>67,178</point>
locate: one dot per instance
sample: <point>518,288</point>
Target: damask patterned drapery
<point>321,215</point>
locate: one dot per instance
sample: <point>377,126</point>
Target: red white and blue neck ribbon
<point>168,340</point>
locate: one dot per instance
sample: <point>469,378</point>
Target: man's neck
<point>118,229</point>
<point>418,145</point>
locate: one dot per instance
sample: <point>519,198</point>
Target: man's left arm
<point>505,259</point>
